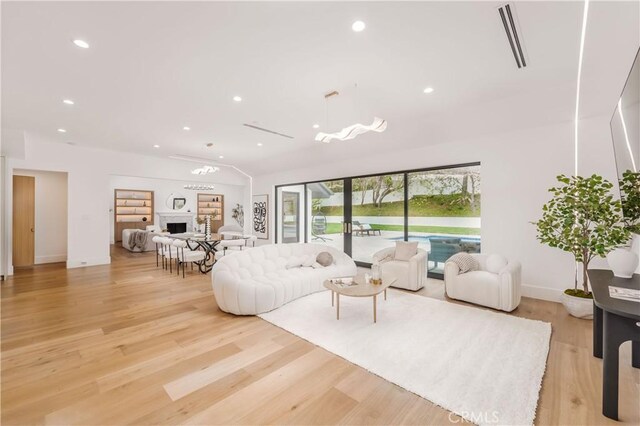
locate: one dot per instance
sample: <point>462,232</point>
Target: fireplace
<point>177,228</point>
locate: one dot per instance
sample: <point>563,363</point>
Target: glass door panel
<point>378,214</point>
<point>444,213</point>
<point>289,213</point>
<point>325,217</point>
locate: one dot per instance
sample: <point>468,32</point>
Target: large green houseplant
<point>585,220</point>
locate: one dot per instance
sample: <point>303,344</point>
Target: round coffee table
<point>361,289</point>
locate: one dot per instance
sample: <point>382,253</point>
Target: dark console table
<point>615,321</point>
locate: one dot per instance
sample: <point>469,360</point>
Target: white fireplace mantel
<point>171,217</point>
<point>187,214</point>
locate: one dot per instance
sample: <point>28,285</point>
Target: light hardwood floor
<point>131,343</point>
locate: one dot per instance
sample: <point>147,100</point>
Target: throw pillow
<point>406,250</point>
<point>465,262</point>
<point>324,258</point>
<point>495,263</point>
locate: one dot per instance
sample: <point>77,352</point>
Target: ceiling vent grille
<point>511,27</point>
<point>262,129</point>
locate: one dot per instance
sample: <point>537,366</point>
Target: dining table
<point>207,243</point>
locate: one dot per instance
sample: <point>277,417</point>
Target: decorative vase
<point>375,274</point>
<point>578,307</point>
<point>623,262</point>
<point>207,226</point>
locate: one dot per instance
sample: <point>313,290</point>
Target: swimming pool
<point>425,238</point>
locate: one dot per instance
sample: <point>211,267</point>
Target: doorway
<point>24,218</point>
<point>290,217</point>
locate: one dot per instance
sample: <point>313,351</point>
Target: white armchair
<point>496,284</point>
<point>411,275</point>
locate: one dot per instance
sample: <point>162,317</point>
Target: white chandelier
<point>204,170</point>
<point>199,187</point>
<point>379,125</point>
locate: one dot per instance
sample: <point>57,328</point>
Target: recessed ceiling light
<point>259,144</point>
<point>222,156</point>
<point>315,126</point>
<point>81,43</point>
<point>62,130</point>
<point>68,101</point>
<point>428,90</point>
<point>156,146</point>
<point>210,144</point>
<point>237,98</point>
<point>186,128</point>
<point>358,26</point>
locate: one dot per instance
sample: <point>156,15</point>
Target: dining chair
<point>159,252</point>
<point>169,252</point>
<point>185,255</point>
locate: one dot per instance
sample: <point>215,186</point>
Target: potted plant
<point>583,219</point>
<point>623,260</point>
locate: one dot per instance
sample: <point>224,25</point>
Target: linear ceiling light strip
<point>585,14</point>
<point>626,135</point>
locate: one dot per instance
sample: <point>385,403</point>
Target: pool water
<point>425,238</point>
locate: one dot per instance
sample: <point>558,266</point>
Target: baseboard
<point>54,258</point>
<point>542,293</point>
<point>81,263</point>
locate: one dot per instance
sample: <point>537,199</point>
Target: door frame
<point>298,215</point>
<point>14,234</point>
<point>348,204</point>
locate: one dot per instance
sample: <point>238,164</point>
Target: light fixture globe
<point>358,26</point>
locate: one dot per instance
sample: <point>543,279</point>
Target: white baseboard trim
<point>81,263</point>
<point>542,293</point>
<point>54,258</point>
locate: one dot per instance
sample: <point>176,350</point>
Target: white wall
<point>163,188</point>
<point>517,169</point>
<point>89,171</point>
<point>50,215</point>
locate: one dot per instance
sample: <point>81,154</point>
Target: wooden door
<point>24,212</point>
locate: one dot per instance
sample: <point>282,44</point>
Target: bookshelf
<point>134,209</point>
<point>212,205</point>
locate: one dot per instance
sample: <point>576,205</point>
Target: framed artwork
<point>179,203</point>
<point>260,224</point>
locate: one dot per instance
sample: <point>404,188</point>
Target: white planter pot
<point>578,307</point>
<point>622,262</point>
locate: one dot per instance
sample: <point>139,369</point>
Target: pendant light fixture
<point>350,132</point>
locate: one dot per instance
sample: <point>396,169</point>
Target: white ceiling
<point>154,67</point>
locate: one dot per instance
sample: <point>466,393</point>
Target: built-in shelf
<point>212,205</point>
<point>133,209</point>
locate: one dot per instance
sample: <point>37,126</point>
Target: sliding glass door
<point>438,207</point>
<point>378,214</point>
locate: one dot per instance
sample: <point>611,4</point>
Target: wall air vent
<point>510,23</point>
<point>262,129</point>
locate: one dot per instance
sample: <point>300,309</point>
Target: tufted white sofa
<point>256,280</point>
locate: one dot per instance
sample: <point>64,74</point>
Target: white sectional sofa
<point>257,280</point>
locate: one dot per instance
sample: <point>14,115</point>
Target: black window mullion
<point>406,206</point>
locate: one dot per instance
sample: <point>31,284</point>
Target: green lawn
<point>419,206</point>
<point>336,228</point>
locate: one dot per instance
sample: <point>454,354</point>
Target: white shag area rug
<point>485,366</point>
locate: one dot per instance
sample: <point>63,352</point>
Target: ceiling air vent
<point>511,27</point>
<point>262,129</point>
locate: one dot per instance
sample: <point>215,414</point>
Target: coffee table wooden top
<point>362,289</point>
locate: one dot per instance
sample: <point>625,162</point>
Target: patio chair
<point>319,227</point>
